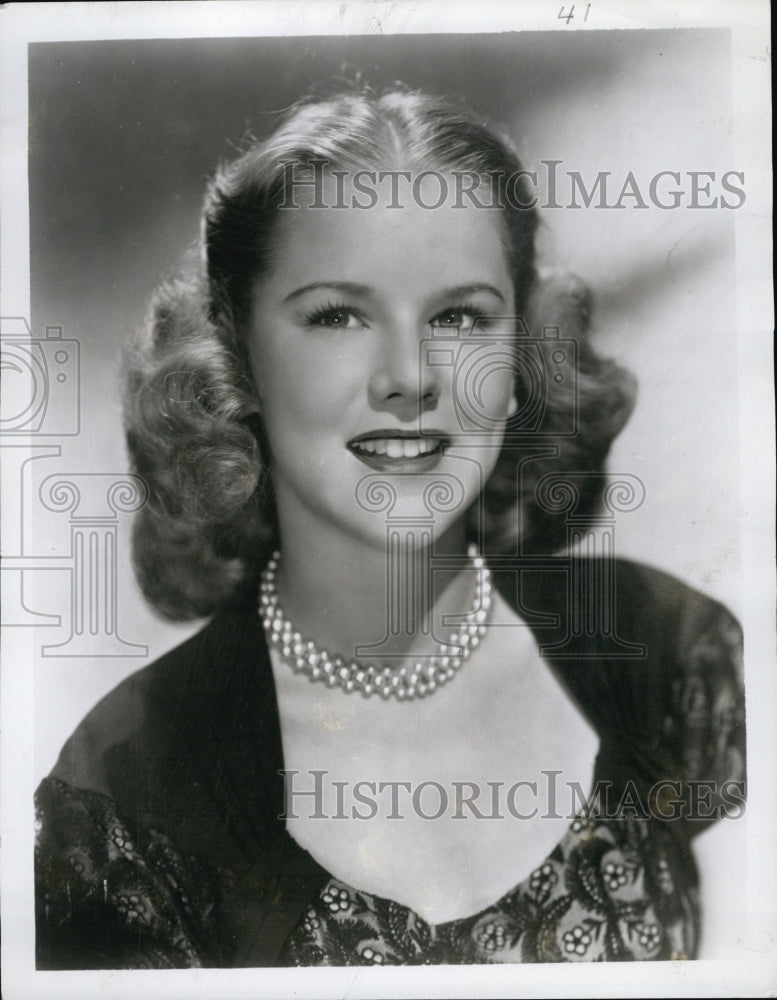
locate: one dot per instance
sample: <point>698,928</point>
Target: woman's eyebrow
<point>461,291</point>
<point>348,287</point>
<point>352,288</point>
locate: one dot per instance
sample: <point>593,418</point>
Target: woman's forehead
<point>367,225</point>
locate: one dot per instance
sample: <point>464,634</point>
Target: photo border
<point>755,972</point>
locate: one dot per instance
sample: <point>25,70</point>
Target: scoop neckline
<point>585,827</point>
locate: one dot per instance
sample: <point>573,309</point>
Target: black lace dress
<point>159,843</point>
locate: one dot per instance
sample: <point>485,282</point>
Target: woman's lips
<point>406,453</point>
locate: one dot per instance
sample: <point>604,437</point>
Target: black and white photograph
<point>388,471</point>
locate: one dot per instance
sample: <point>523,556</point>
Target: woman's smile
<point>400,451</point>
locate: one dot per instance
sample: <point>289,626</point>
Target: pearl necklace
<point>405,683</point>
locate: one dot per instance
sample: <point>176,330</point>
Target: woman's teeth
<point>399,447</point>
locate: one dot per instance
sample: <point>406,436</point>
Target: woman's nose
<point>402,381</point>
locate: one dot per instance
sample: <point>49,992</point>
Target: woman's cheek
<point>493,405</point>
<point>504,396</point>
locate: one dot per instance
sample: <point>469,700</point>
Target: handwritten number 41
<point>568,17</point>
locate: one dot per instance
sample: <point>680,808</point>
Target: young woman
<point>409,733</point>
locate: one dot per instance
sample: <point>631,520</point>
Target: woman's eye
<point>459,319</point>
<point>335,317</point>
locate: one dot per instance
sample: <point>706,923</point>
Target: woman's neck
<point>345,594</point>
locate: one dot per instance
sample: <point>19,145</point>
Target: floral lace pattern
<point>606,893</point>
<point>137,894</point>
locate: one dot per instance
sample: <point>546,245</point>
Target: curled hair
<point>191,412</point>
<point>193,434</point>
<point>579,417</point>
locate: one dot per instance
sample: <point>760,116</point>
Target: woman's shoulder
<point>177,705</point>
<point>610,607</point>
<point>663,593</point>
<point>682,707</point>
<point>655,664</point>
<point>681,632</point>
<point>162,810</point>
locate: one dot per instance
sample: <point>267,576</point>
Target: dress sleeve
<point>707,717</point>
<point>108,898</point>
